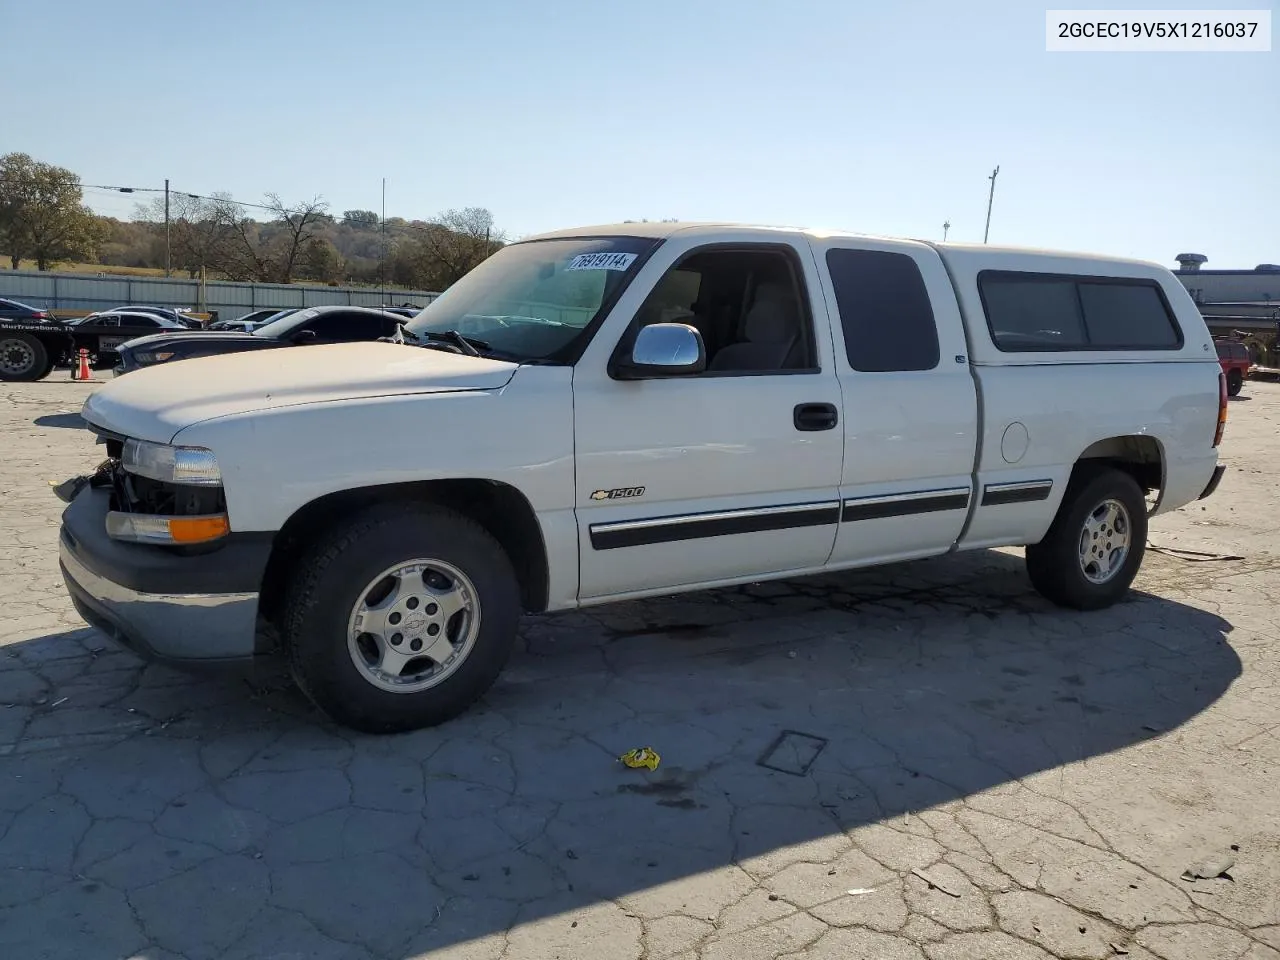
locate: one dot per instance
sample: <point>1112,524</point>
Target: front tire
<point>401,618</point>
<point>1092,552</point>
<point>23,358</point>
<point>1235,382</point>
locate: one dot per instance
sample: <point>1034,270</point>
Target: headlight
<point>193,466</point>
<point>145,357</point>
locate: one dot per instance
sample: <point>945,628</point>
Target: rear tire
<point>366,594</point>
<point>1092,552</point>
<point>23,358</point>
<point>1235,381</point>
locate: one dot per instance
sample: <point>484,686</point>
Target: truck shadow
<point>208,817</point>
<point>69,421</point>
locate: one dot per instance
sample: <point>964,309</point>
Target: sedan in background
<point>313,325</point>
<point>15,310</point>
<point>164,313</point>
<point>248,321</point>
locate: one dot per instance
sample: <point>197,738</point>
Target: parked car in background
<point>314,325</point>
<point>236,326</point>
<point>246,322</point>
<point>1236,363</point>
<point>404,310</point>
<point>165,313</point>
<point>31,349</point>
<point>16,310</point>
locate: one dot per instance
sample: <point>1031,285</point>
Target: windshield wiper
<point>468,345</point>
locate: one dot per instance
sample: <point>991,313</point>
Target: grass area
<point>93,268</point>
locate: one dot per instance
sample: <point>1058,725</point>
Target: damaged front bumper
<point>184,608</point>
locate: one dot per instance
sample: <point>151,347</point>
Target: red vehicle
<point>1235,360</point>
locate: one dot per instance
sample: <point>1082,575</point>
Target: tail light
<point>42,315</point>
<point>1222,408</point>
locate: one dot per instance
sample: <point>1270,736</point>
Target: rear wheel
<point>402,618</point>
<point>1094,548</point>
<point>23,357</point>
<point>1235,381</point>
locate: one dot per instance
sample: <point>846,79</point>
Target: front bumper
<point>163,605</point>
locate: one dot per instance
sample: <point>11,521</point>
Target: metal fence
<point>77,292</point>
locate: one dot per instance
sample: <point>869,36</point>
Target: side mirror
<point>303,336</point>
<point>663,350</point>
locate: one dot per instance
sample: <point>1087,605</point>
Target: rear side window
<point>1033,311</point>
<point>1127,315</point>
<point>884,311</point>
<point>1033,314</point>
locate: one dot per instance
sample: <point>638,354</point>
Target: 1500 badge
<point>621,493</point>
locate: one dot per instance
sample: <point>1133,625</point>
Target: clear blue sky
<point>881,117</point>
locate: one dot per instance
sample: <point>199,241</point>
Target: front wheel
<point>1235,381</point>
<point>1094,547</point>
<point>23,358</point>
<point>402,618</point>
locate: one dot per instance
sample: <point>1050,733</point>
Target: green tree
<point>364,219</point>
<point>321,261</point>
<point>42,213</point>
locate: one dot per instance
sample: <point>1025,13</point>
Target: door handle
<point>815,416</point>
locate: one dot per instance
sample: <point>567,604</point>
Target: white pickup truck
<point>616,412</point>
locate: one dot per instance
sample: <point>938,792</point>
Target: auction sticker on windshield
<point>601,261</point>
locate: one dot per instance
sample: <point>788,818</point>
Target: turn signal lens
<point>146,528</point>
<point>198,529</point>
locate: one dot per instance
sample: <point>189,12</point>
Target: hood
<point>187,336</point>
<point>156,402</point>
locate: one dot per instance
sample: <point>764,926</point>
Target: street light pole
<point>945,227</point>
<point>990,197</point>
<point>167,259</point>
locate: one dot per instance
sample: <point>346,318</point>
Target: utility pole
<point>946,225</point>
<point>990,197</point>
<point>383,225</point>
<point>167,261</point>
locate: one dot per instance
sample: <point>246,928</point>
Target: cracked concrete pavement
<point>1000,780</point>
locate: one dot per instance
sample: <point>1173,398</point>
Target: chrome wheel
<point>1105,541</point>
<point>413,626</point>
<point>16,357</point>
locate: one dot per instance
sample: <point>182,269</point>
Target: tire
<point>338,589</point>
<point>1068,569</point>
<point>23,358</point>
<point>1235,381</point>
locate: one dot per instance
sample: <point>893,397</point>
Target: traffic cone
<point>81,371</point>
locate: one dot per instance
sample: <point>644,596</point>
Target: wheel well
<point>501,509</point>
<point>1141,457</point>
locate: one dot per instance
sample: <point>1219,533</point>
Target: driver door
<point>718,476</point>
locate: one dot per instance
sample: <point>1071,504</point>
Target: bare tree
<point>203,230</point>
<point>458,241</point>
<point>300,224</point>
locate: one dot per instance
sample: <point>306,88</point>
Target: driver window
<point>748,305</point>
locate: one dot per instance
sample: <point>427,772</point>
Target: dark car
<point>313,325</point>
<point>404,310</point>
<point>14,310</point>
<point>31,349</point>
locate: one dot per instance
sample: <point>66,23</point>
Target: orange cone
<point>82,370</point>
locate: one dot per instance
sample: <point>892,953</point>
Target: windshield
<point>283,323</point>
<point>534,300</point>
